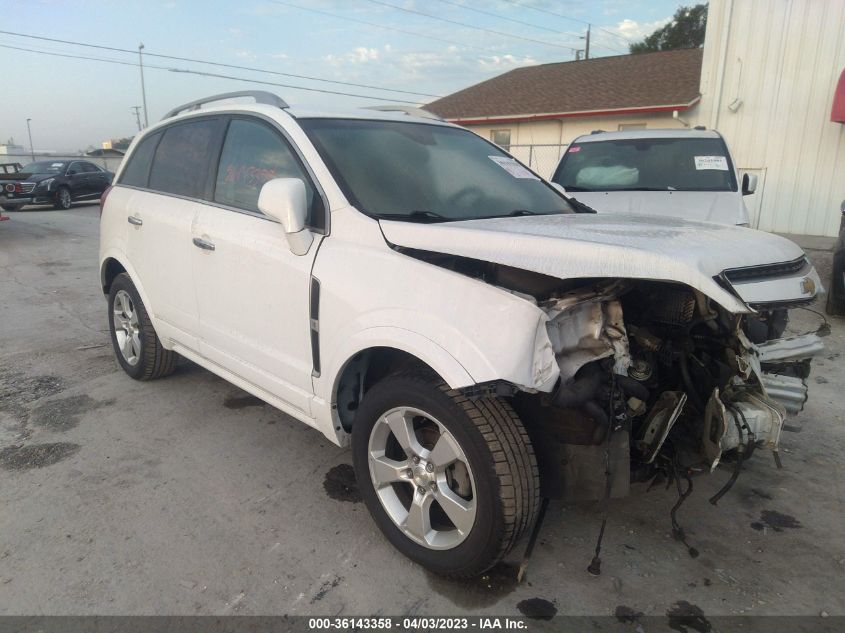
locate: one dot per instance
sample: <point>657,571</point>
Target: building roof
<point>646,82</point>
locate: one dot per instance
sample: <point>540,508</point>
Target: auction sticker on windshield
<point>512,167</point>
<point>711,162</point>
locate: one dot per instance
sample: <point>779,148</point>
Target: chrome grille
<point>27,187</point>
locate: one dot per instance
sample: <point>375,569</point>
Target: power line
<point>566,17</point>
<point>385,27</point>
<point>196,72</point>
<point>470,26</point>
<point>219,64</point>
<point>502,17</point>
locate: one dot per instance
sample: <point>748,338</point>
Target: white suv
<point>403,285</point>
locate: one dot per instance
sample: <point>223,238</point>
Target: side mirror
<point>71,172</point>
<point>285,200</point>
<point>559,187</point>
<point>749,184</point>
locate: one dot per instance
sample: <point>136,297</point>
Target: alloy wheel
<point>422,478</point>
<point>126,328</point>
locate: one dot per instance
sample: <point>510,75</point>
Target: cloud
<point>358,55</point>
<point>244,54</point>
<point>635,31</point>
<point>501,63</point>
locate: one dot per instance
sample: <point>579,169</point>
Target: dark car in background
<point>56,182</point>
<point>836,294</point>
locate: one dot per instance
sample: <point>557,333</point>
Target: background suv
<point>679,173</point>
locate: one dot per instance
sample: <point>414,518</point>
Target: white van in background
<point>678,173</point>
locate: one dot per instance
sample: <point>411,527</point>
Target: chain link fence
<point>541,158</point>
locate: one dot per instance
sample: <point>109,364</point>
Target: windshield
<point>44,167</point>
<point>647,164</point>
<point>427,173</point>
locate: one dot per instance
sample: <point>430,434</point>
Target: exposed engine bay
<point>657,380</point>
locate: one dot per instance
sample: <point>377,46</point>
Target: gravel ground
<point>188,496</point>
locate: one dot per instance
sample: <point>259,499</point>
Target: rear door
<point>252,291</point>
<point>160,213</point>
<point>98,179</point>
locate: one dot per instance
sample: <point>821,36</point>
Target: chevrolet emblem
<point>808,286</point>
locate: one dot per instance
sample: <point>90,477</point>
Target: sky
<point>77,103</point>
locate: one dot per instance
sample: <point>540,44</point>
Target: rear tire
<point>488,453</point>
<point>8,207</point>
<point>136,344</point>
<point>63,199</point>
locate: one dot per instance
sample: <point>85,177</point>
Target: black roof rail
<point>260,96</point>
<point>699,127</point>
<point>597,132</point>
<point>409,110</point>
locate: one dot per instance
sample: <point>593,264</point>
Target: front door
<point>78,181</point>
<point>252,291</point>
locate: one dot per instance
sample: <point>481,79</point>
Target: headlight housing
<point>46,184</point>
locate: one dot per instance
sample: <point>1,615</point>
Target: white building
<point>768,79</point>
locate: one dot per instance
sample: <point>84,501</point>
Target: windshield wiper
<point>415,216</point>
<point>523,212</point>
<point>580,207</point>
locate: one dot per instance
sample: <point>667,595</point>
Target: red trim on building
<point>837,113</point>
<point>567,115</point>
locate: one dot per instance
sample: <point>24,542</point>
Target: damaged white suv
<point>403,285</point>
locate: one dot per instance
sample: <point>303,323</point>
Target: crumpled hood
<point>724,207</point>
<point>572,246</point>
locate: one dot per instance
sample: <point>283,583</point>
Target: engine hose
<point>632,387</point>
<point>740,457</point>
<point>691,392</point>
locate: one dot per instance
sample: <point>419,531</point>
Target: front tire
<point>452,482</point>
<point>8,207</point>
<point>136,344</point>
<point>63,199</point>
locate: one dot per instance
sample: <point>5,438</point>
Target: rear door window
<point>137,172</point>
<point>181,160</point>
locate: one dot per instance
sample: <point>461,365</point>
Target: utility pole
<point>29,132</point>
<point>587,47</point>
<point>137,110</point>
<point>143,90</point>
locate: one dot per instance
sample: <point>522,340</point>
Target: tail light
<point>103,199</point>
<point>18,187</point>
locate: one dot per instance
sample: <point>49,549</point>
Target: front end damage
<point>656,381</point>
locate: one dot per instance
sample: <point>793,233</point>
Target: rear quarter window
<point>137,170</point>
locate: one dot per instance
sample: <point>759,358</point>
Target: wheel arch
<point>376,358</point>
<point>110,268</point>
<point>114,263</point>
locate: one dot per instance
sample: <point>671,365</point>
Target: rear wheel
<point>134,339</point>
<point>8,207</point>
<point>452,482</point>
<point>63,199</point>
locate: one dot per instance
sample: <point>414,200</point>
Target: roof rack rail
<point>260,96</point>
<point>409,110</point>
<point>597,132</point>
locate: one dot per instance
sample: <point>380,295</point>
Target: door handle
<point>203,244</point>
<point>134,220</point>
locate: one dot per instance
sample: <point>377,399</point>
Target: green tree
<point>686,30</point>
